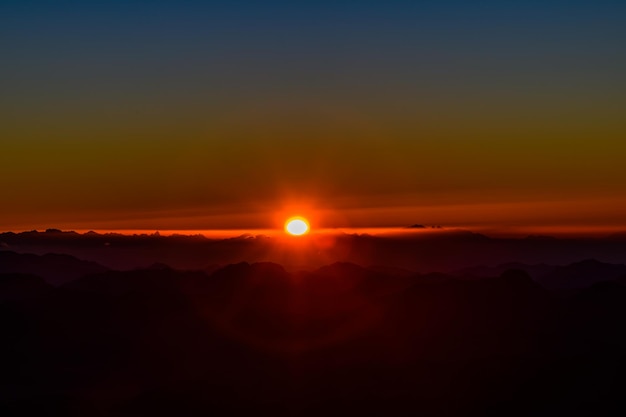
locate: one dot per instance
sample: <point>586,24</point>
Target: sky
<point>238,114</point>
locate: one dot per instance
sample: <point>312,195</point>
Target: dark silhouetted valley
<point>214,337</point>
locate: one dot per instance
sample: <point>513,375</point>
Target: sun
<point>297,226</point>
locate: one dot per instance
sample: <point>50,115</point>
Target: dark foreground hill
<point>253,339</point>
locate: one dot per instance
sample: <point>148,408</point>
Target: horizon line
<point>501,232</point>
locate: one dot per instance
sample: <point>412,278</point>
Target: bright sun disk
<point>297,226</point>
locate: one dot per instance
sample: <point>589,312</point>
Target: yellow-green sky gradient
<point>174,117</point>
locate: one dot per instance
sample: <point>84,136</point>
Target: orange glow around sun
<point>297,226</point>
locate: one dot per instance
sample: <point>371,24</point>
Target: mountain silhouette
<point>583,274</point>
<point>17,286</point>
<point>535,271</point>
<point>444,250</point>
<point>335,339</point>
<point>56,269</point>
